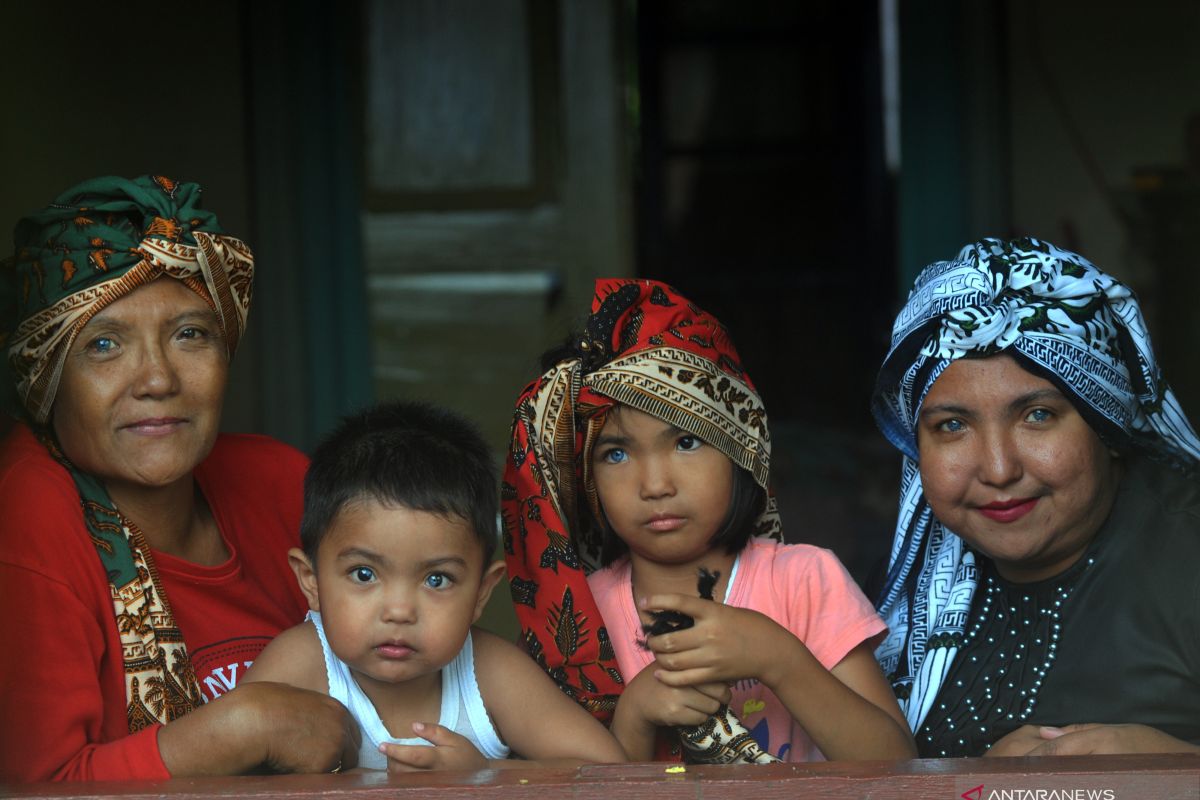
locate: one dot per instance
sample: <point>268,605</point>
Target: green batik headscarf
<point>93,245</point>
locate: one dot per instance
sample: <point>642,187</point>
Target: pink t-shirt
<point>803,588</point>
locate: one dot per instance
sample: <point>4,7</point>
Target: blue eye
<point>1039,415</point>
<point>614,456</point>
<point>689,442</point>
<point>951,425</point>
<point>437,580</point>
<point>362,575</point>
<point>102,344</point>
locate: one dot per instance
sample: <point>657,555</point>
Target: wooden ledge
<point>1130,777</point>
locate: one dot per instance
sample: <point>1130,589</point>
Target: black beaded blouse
<point>1011,645</point>
<point>1113,639</point>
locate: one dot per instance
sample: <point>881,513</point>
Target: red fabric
<point>62,706</point>
<point>560,623</point>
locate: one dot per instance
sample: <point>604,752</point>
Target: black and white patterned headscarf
<point>1062,318</point>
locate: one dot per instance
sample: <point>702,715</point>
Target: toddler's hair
<point>402,453</point>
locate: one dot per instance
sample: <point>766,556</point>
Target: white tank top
<point>462,706</point>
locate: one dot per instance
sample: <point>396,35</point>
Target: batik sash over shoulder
<point>1061,317</point>
<point>93,245</point>
<point>647,347</point>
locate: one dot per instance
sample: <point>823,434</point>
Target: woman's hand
<point>1088,739</point>
<point>648,704</point>
<point>262,724</point>
<point>450,751</point>
<point>726,643</point>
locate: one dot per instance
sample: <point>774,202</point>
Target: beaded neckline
<point>1009,647</point>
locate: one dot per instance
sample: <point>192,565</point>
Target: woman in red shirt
<point>141,553</point>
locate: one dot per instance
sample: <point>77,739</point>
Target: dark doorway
<point>763,193</point>
<point>763,196</point>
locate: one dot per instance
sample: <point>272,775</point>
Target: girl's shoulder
<point>610,577</point>
<point>788,570</point>
<point>770,554</point>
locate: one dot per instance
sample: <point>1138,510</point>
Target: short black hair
<point>403,453</point>
<point>747,500</point>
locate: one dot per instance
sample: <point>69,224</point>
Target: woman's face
<point>1009,465</point>
<point>139,403</point>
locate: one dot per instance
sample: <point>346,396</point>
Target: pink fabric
<point>803,588</point>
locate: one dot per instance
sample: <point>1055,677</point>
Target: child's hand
<point>648,704</point>
<point>450,751</point>
<point>661,705</point>
<point>725,644</point>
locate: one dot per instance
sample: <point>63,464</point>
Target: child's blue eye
<point>614,456</point>
<point>362,575</point>
<point>437,580</point>
<point>689,442</point>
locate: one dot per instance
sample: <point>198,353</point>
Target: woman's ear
<point>487,584</point>
<point>306,576</point>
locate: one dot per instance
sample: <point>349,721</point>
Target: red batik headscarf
<point>643,346</point>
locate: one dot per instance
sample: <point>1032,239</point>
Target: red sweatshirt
<point>62,691</point>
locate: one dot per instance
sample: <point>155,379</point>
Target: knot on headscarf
<point>1060,317</point>
<point>1008,288</point>
<point>96,243</point>
<point>645,346</point>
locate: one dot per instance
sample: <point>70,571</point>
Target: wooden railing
<point>1132,777</point>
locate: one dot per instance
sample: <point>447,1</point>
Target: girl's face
<point>664,491</point>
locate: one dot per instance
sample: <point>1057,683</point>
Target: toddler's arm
<point>293,657</point>
<point>534,718</point>
<point>849,711</point>
<point>279,715</point>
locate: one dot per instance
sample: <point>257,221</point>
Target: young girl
<point>642,457</point>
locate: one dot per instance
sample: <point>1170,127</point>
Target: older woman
<point>1041,593</point>
<point>142,555</point>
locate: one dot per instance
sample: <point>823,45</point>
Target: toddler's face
<point>664,491</point>
<point>398,589</point>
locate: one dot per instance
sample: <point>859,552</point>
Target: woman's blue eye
<point>437,580</point>
<point>689,442</point>
<point>951,425</point>
<point>614,456</point>
<point>362,575</point>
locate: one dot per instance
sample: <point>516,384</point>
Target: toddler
<point>398,532</point>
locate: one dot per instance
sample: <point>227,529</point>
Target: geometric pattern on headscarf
<point>644,346</point>
<point>1057,311</point>
<point>96,243</point>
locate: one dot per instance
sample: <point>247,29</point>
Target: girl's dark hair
<point>409,454</point>
<point>747,500</point>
